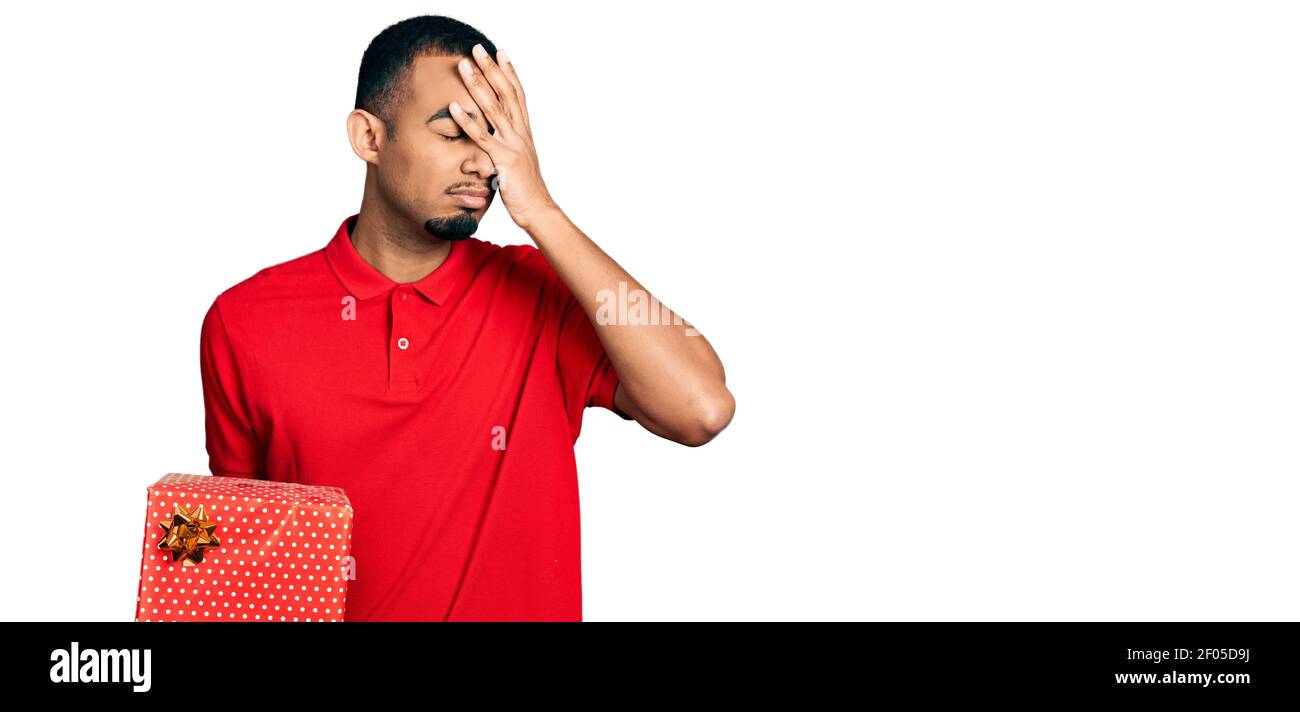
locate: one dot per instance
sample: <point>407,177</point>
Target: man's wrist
<point>545,221</point>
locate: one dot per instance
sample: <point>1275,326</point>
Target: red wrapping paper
<point>283,554</point>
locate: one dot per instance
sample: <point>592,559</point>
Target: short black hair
<point>386,65</point>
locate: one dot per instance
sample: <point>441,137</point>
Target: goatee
<point>454,227</point>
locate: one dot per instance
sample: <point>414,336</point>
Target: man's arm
<point>670,379</point>
<point>234,450</point>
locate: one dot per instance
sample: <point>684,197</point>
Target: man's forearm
<point>665,367</point>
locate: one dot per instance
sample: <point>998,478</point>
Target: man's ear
<point>367,135</point>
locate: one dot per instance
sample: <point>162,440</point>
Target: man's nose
<point>479,163</point>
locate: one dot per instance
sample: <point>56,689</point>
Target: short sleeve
<point>234,449</point>
<point>587,376</point>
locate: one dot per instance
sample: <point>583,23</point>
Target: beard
<point>452,227</point>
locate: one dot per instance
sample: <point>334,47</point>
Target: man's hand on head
<point>669,378</point>
<point>499,95</point>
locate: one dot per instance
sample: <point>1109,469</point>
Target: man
<point>440,379</point>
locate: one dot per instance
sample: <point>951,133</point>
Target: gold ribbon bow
<point>188,535</point>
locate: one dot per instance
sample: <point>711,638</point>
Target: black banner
<point>1012,661</point>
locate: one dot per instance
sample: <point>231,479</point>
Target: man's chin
<point>460,226</point>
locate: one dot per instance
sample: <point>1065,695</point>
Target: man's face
<point>431,158</point>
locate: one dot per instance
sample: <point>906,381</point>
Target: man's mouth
<point>470,197</point>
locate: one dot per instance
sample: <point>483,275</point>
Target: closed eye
<point>457,137</point>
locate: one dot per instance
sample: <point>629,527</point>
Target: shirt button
<point>402,343</point>
<point>403,296</point>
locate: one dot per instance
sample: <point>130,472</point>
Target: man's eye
<point>457,137</point>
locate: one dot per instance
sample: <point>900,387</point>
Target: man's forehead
<point>435,78</point>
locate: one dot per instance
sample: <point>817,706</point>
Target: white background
<point>1006,292</point>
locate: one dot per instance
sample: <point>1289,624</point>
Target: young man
<point>439,379</point>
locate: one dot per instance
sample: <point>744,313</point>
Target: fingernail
<point>455,108</point>
<point>501,55</point>
<point>479,51</point>
<point>464,67</point>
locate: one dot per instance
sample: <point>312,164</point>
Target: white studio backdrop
<point>1006,291</point>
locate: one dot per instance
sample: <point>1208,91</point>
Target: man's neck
<point>400,251</point>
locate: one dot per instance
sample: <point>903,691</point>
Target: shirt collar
<point>363,281</point>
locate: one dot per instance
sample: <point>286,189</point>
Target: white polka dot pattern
<point>283,554</point>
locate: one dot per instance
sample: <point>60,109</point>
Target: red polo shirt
<point>446,408</point>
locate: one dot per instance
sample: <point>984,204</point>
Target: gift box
<point>239,549</point>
